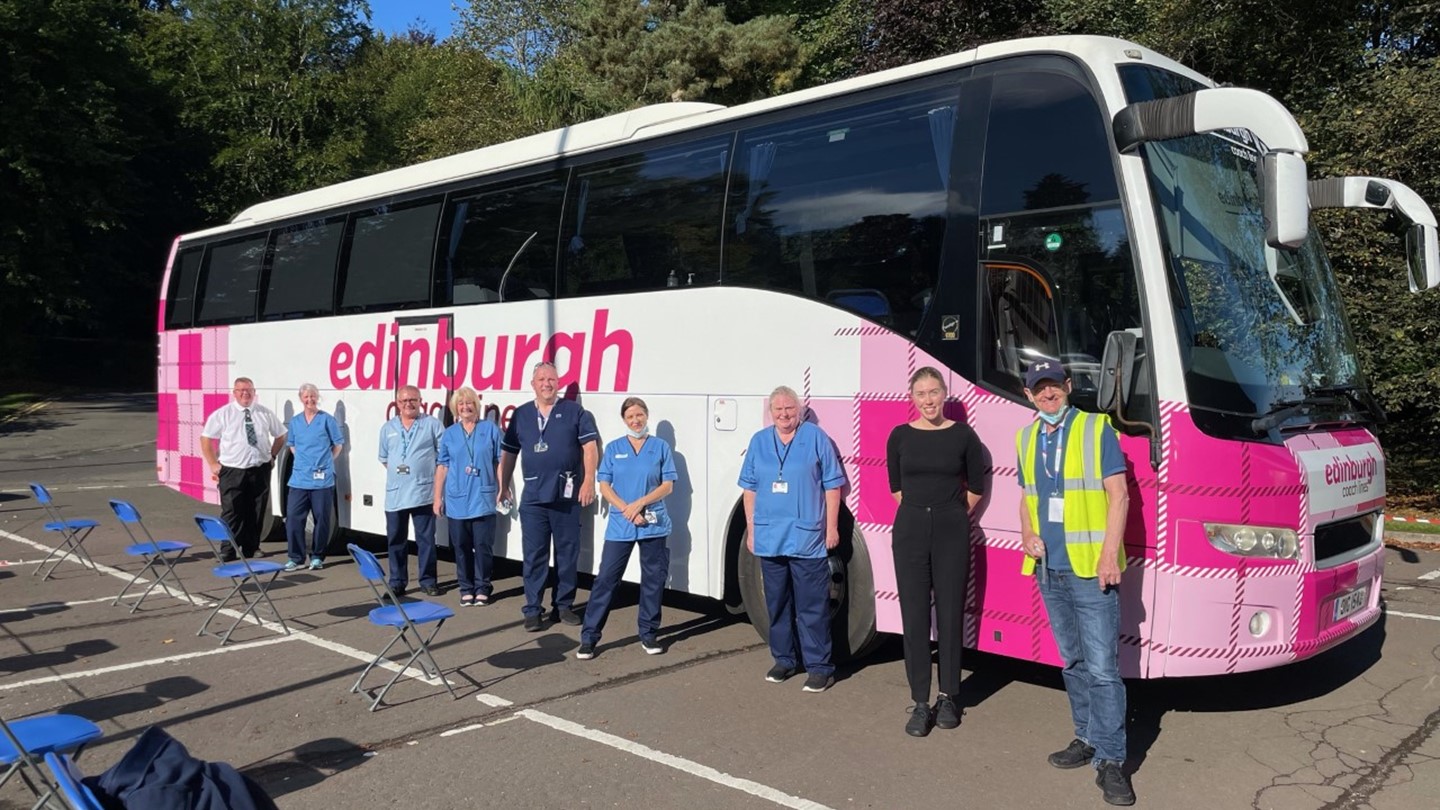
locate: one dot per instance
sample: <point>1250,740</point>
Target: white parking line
<point>169,659</point>
<point>493,700</point>
<point>414,673</point>
<point>678,763</point>
<point>52,605</point>
<point>1432,575</point>
<point>26,490</point>
<point>1414,615</point>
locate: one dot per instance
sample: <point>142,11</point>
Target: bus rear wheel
<point>852,594</point>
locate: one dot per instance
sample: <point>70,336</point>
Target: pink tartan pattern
<point>193,382</point>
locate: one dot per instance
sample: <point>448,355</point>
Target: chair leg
<point>71,544</point>
<point>149,565</point>
<point>221,606</point>
<point>378,658</point>
<point>422,647</point>
<point>262,593</point>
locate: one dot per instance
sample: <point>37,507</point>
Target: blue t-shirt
<point>791,523</point>
<point>562,435</point>
<point>633,474</point>
<point>1047,483</point>
<point>409,457</point>
<point>311,443</point>
<point>469,462</point>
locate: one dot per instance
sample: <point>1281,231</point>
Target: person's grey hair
<point>544,364</point>
<point>402,389</point>
<point>464,394</point>
<point>783,391</point>
<point>310,388</point>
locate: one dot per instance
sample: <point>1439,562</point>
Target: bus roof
<point>653,121</point>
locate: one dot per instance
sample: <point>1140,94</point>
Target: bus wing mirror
<point>1220,108</point>
<point>1422,248</point>
<point>1116,367</point>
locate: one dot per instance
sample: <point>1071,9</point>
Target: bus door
<point>424,354</point>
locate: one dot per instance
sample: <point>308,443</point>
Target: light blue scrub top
<point>792,523</point>
<point>469,462</point>
<point>1112,461</point>
<point>314,467</point>
<point>632,475</point>
<point>417,449</point>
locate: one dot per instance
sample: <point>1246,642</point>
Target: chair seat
<point>419,613</point>
<point>166,546</point>
<point>237,569</point>
<point>56,733</point>
<point>70,525</point>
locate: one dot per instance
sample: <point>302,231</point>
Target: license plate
<point>1351,601</point>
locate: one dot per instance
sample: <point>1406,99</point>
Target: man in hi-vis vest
<point>1072,522</point>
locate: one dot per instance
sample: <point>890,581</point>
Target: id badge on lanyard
<point>1055,504</point>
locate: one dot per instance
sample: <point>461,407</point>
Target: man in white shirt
<point>250,436</point>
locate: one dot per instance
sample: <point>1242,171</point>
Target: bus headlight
<point>1253,541</point>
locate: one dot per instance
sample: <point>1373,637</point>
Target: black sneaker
<point>1077,753</point>
<point>227,553</point>
<point>399,594</point>
<point>920,720</point>
<point>431,590</point>
<point>816,682</point>
<point>1114,784</point>
<point>534,623</point>
<point>780,673</point>
<point>586,651</point>
<point>947,715</point>
<point>651,645</point>
<point>567,616</point>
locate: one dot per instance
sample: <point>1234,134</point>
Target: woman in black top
<point>937,475</point>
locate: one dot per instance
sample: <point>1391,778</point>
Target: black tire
<point>852,594</point>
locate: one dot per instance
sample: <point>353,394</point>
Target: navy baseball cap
<point>1042,370</point>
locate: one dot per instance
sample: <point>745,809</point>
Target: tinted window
<point>485,232</point>
<point>180,298</point>
<point>647,221</point>
<point>389,255</point>
<point>228,280</point>
<point>846,206</point>
<point>302,269</point>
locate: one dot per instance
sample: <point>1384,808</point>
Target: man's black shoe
<point>227,553</point>
<point>431,590</point>
<point>567,616</point>
<point>1114,784</point>
<point>399,594</point>
<point>534,623</point>
<point>920,720</point>
<point>947,715</point>
<point>1077,753</point>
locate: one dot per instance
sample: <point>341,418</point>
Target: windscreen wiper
<point>1279,412</point>
<point>1360,397</point>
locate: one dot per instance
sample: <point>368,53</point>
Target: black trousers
<point>243,492</point>
<point>931,546</point>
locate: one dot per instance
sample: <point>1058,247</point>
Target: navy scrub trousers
<point>797,596</point>
<point>539,522</point>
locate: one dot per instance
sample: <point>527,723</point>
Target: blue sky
<point>395,16</point>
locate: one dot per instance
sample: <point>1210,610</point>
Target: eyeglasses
<point>411,399</point>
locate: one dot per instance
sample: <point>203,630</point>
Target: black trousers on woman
<point>931,546</point>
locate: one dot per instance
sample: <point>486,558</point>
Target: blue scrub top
<point>314,467</point>
<point>469,462</point>
<point>566,431</point>
<point>1112,461</point>
<point>632,475</point>
<point>791,524</point>
<point>417,449</point>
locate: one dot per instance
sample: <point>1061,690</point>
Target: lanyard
<point>543,421</point>
<point>775,437</point>
<point>1059,434</point>
<point>405,437</point>
<point>470,442</point>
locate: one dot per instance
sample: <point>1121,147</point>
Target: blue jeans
<point>299,504</point>
<point>539,524</point>
<point>474,542</point>
<point>654,569</point>
<point>397,532</point>
<point>797,596</point>
<point>1086,622</point>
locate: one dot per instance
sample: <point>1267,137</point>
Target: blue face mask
<point>1055,418</point>
<point>638,434</point>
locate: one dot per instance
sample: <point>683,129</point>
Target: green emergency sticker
<point>1052,242</point>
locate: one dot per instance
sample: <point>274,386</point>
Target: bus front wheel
<point>852,594</point>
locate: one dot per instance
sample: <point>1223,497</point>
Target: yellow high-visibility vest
<point>1086,504</point>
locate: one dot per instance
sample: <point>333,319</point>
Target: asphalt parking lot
<point>696,727</point>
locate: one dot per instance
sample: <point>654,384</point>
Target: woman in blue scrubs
<point>466,488</point>
<point>636,472</point>
<point>315,440</point>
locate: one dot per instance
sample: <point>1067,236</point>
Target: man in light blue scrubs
<point>792,479</point>
<point>409,447</point>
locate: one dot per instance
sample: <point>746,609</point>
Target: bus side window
<point>647,221</point>
<point>228,278</point>
<point>300,279</point>
<point>180,298</point>
<point>484,231</point>
<point>388,257</point>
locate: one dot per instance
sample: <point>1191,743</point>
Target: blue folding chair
<point>156,554</point>
<point>77,794</point>
<point>404,617</point>
<point>25,743</point>
<point>72,534</point>
<point>240,571</point>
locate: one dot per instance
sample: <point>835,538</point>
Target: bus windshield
<point>1260,329</point>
